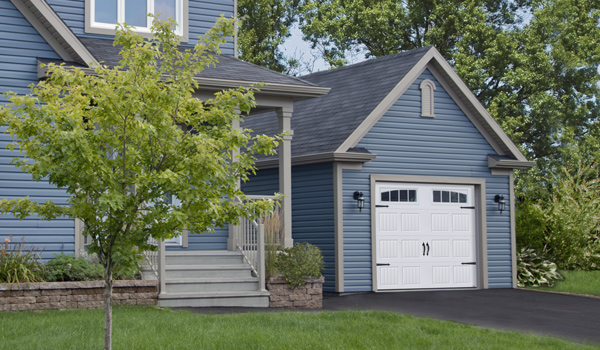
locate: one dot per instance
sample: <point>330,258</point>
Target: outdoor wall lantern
<point>360,200</point>
<point>501,202</point>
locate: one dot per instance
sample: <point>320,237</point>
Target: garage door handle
<point>427,249</point>
<point>423,249</point>
<point>383,264</point>
<point>467,207</point>
<point>470,263</point>
<point>382,206</point>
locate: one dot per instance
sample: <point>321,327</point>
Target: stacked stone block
<point>75,295</point>
<point>307,296</point>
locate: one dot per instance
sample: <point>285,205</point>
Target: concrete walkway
<point>566,316</point>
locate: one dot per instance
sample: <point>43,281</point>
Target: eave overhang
<point>502,162</point>
<point>329,157</point>
<point>214,85</point>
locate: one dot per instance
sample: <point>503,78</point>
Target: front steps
<point>210,279</point>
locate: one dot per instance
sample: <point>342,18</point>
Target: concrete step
<point>208,271</point>
<point>209,285</point>
<point>215,299</point>
<point>203,257</point>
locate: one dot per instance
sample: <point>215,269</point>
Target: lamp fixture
<point>501,202</point>
<point>360,200</point>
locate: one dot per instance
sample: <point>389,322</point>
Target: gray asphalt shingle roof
<point>322,124</point>
<point>227,68</point>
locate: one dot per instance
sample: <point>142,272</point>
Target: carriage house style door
<point>425,236</point>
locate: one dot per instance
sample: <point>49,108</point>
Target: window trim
<point>93,27</point>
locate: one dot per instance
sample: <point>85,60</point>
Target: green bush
<point>19,264</point>
<point>573,219</point>
<point>302,261</point>
<point>68,268</point>
<point>533,269</point>
<point>530,224</point>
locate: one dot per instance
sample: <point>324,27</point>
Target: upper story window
<point>101,15</point>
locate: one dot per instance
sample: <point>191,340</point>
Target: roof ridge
<point>423,49</point>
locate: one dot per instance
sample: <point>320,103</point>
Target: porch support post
<point>284,115</point>
<point>231,240</point>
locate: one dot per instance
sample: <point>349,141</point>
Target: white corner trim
<point>513,228</point>
<point>338,222</point>
<point>386,103</point>
<point>54,31</point>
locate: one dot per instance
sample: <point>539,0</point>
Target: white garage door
<point>425,236</point>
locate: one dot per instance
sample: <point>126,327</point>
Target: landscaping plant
<point>301,262</point>
<point>534,270</point>
<point>273,238</point>
<point>69,268</point>
<point>19,263</point>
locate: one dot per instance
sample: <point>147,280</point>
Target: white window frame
<point>91,26</point>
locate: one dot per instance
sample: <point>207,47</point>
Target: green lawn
<point>152,328</point>
<point>577,282</point>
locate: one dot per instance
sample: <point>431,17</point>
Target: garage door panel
<point>388,249</point>
<point>461,222</point>
<point>426,241</point>
<point>388,222</point>
<point>440,248</point>
<point>411,276</point>
<point>410,222</point>
<point>411,248</point>
<point>389,276</point>
<point>440,222</point>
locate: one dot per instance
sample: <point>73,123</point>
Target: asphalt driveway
<point>571,317</point>
<point>566,316</point>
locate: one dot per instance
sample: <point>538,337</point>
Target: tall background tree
<point>532,63</point>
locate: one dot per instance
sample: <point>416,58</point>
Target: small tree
<point>123,139</point>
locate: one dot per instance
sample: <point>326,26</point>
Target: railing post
<point>261,257</point>
<point>161,267</point>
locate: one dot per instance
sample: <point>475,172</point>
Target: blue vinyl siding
<point>202,16</point>
<point>20,45</point>
<point>407,144</point>
<point>216,240</point>
<point>312,208</point>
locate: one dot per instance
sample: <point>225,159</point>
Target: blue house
<point>391,166</point>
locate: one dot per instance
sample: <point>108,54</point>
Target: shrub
<point>530,225</point>
<point>302,261</point>
<point>573,219</point>
<point>19,264</point>
<point>533,269</point>
<point>68,268</point>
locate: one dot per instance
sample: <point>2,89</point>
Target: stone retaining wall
<point>307,296</point>
<point>75,295</point>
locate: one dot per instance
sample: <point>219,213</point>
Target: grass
<point>577,282</point>
<point>152,328</point>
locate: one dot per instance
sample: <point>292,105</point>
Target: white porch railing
<point>156,261</point>
<point>251,243</point>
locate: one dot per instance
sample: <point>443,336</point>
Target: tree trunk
<point>108,284</point>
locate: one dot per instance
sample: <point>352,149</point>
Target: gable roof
<point>360,95</point>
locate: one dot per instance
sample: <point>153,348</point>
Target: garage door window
<point>449,197</point>
<point>399,196</point>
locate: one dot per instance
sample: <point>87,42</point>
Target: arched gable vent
<point>427,88</point>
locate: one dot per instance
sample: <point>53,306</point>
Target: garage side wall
<point>447,145</point>
<point>20,44</point>
<point>312,208</point>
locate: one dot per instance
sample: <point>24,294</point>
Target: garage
<point>425,236</point>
